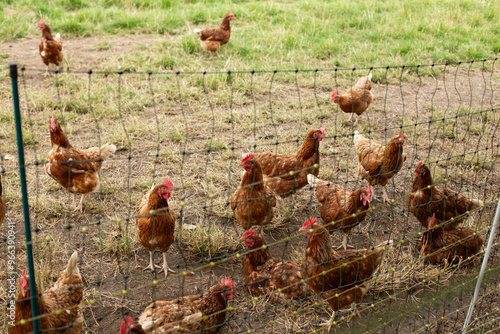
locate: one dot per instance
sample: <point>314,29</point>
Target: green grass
<point>272,35</point>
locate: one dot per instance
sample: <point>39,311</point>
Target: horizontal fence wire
<point>194,128</point>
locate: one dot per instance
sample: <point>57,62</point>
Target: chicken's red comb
<point>24,281</point>
<point>227,282</point>
<point>369,192</point>
<point>168,184</point>
<point>126,324</point>
<point>401,135</point>
<point>334,94</point>
<point>322,129</point>
<point>309,222</point>
<point>41,22</point>
<point>247,234</point>
<point>231,13</point>
<point>420,163</point>
<point>247,157</point>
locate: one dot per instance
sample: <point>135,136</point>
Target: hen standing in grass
<point>338,205</point>
<point>357,99</point>
<point>65,295</point>
<point>264,274</point>
<point>189,312</point>
<point>50,48</point>
<point>253,203</point>
<point>342,278</point>
<point>156,223</point>
<point>288,172</point>
<point>212,39</point>
<point>427,200</point>
<point>2,204</point>
<point>378,164</point>
<point>449,246</point>
<point>75,170</point>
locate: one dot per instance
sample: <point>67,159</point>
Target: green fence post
<point>24,192</point>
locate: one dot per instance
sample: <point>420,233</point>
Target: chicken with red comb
<point>341,278</point>
<point>287,173</point>
<point>77,171</point>
<point>50,47</point>
<point>65,295</point>
<point>377,164</point>
<point>156,223</point>
<point>449,246</point>
<point>264,274</point>
<point>340,209</point>
<point>192,314</point>
<point>253,202</point>
<point>427,199</point>
<point>356,99</point>
<point>212,39</point>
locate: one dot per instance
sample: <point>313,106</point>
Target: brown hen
<point>156,223</point>
<point>254,201</point>
<point>342,278</point>
<point>189,311</point>
<point>264,274</point>
<point>287,173</point>
<point>212,39</point>
<point>377,163</point>
<point>443,247</point>
<point>427,200</point>
<point>337,204</point>
<point>65,295</point>
<point>357,98</point>
<point>75,170</point>
<point>50,48</point>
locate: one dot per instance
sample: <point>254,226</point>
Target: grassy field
<point>273,35</point>
<point>194,128</point>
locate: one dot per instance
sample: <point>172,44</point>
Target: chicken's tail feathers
<point>107,150</point>
<point>197,31</point>
<point>73,262</point>
<point>476,203</point>
<point>369,77</point>
<point>314,181</point>
<point>58,38</point>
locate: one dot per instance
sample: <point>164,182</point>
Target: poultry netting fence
<point>194,129</point>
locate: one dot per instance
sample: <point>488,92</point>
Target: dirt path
<point>81,53</point>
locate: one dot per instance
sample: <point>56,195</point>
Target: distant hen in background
<point>212,39</point>
<point>357,98</point>
<point>50,48</point>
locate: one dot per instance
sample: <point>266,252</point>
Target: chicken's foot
<point>80,206</point>
<point>165,268</point>
<point>151,266</point>
<point>329,322</point>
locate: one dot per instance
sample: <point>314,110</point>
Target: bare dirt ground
<point>449,118</point>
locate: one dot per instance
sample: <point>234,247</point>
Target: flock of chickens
<point>340,277</point>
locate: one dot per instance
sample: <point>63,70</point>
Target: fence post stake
<point>483,268</point>
<point>24,192</point>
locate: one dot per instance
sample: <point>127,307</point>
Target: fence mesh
<point>194,128</point>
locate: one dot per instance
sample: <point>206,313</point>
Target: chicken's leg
<point>73,205</point>
<point>344,242</point>
<point>80,206</point>
<point>46,72</point>
<point>385,198</point>
<point>166,269</point>
<point>350,118</point>
<point>151,266</point>
<point>329,322</point>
